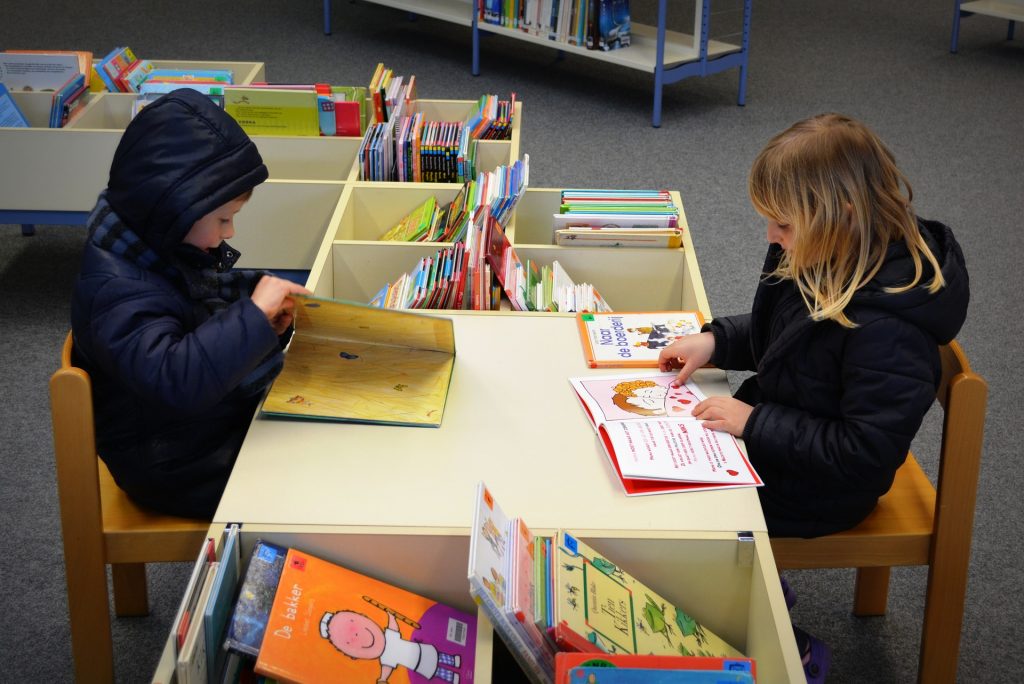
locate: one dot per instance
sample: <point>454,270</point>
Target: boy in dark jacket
<point>179,347</point>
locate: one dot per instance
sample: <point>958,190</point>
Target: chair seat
<point>136,535</point>
<point>898,531</point>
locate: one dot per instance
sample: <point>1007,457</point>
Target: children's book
<point>191,666</point>
<point>568,664</point>
<point>648,432</point>
<point>256,596</point>
<point>30,71</point>
<point>490,581</point>
<point>331,624</point>
<point>599,606</point>
<point>10,114</point>
<point>222,592</point>
<point>356,363</point>
<point>273,111</point>
<point>633,675</point>
<point>666,238</point>
<point>186,610</point>
<point>634,339</point>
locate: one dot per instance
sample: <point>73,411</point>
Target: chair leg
<point>943,618</point>
<point>871,594</point>
<point>130,594</point>
<point>92,647</point>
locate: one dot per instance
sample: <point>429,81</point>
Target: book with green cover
<point>598,606</point>
<point>356,363</point>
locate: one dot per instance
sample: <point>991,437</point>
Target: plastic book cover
<point>567,662</point>
<point>273,111</point>
<point>633,339</point>
<point>11,115</point>
<point>599,606</point>
<point>613,27</point>
<point>358,363</point>
<point>332,624</point>
<point>632,675</point>
<point>647,429</point>
<point>252,609</point>
<point>490,583</point>
<point>222,593</point>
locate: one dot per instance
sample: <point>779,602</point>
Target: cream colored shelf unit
<point>722,580</point>
<point>353,264</point>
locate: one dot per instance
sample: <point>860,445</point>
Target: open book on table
<point>355,363</point>
<point>653,441</point>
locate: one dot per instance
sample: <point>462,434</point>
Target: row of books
<point>619,218</point>
<point>594,24</point>
<point>292,616</point>
<point>401,145</point>
<point>546,596</point>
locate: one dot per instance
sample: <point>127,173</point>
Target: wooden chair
<point>915,524</point>
<point>102,525</point>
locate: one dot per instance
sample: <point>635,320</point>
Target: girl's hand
<point>273,296</point>
<point>688,353</point>
<point>724,413</point>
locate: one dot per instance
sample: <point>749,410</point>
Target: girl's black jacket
<point>835,408</point>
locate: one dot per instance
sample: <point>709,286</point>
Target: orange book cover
<point>634,339</point>
<point>331,624</point>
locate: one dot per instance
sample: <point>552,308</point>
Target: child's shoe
<point>788,594</point>
<point>815,655</point>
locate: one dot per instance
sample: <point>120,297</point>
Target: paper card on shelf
<point>37,71</point>
<point>273,111</point>
<point>357,363</point>
<point>633,339</point>
<point>648,432</point>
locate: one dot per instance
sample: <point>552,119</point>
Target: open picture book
<point>355,363</point>
<point>654,443</point>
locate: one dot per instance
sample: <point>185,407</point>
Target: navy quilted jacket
<point>169,415</point>
<point>835,409</point>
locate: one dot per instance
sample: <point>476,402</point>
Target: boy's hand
<point>688,353</point>
<point>273,296</point>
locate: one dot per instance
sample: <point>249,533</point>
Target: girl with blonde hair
<point>856,295</point>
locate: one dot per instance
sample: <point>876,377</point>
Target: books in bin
<point>568,665</point>
<point>615,675</point>
<point>633,339</point>
<point>11,115</point>
<point>331,624</point>
<point>652,440</point>
<point>599,606</point>
<point>356,363</point>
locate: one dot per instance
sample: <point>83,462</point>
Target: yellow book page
<point>349,362</point>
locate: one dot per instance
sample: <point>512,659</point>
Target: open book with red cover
<point>653,441</point>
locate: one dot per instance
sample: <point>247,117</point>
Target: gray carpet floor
<point>954,122</point>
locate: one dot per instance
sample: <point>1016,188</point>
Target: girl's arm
<point>888,383</point>
<point>732,343</point>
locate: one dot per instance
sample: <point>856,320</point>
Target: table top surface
<point>511,420</point>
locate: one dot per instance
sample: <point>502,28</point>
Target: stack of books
<point>617,218</point>
<point>547,595</point>
<point>64,73</point>
<point>293,617</point>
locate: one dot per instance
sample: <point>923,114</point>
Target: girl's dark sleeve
<point>888,383</point>
<point>732,342</point>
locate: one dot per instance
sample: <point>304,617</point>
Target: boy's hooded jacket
<point>177,351</point>
<point>835,408</point>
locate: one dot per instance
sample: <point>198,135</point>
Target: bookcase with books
<point>669,56</point>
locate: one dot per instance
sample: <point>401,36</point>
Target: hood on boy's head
<point>178,160</point>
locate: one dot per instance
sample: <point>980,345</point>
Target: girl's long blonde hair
<point>837,186</point>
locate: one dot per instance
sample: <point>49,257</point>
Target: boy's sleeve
<point>732,342</point>
<point>139,338</point>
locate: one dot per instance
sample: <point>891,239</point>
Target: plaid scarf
<point>207,277</point>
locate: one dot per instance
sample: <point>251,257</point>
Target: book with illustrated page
<point>600,607</point>
<point>649,434</point>
<point>633,339</point>
<point>331,624</point>
<point>357,363</point>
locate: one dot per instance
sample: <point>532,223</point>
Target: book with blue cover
<point>255,598</point>
<point>222,593</point>
<point>11,115</point>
